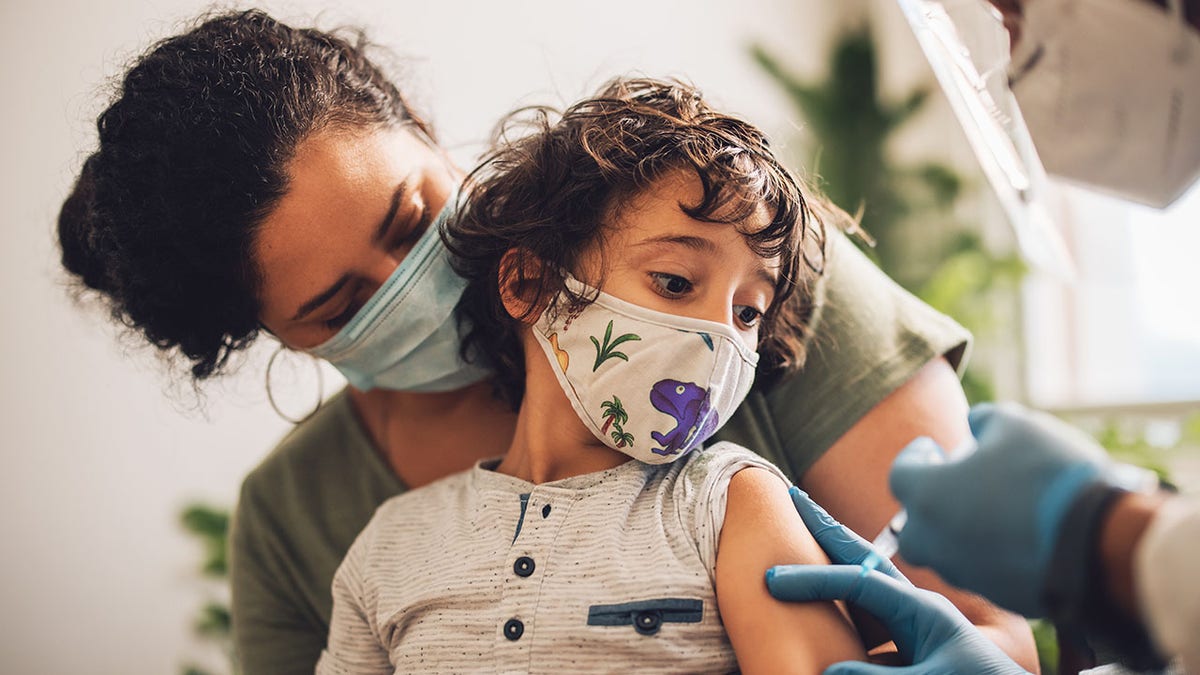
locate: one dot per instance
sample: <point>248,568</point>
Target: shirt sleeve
<point>354,646</point>
<point>1166,583</point>
<point>298,513</point>
<point>272,632</point>
<point>705,481</point>
<point>870,337</point>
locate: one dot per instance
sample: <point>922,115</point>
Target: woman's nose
<point>381,268</point>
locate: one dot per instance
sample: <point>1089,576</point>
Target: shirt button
<point>546,511</point>
<point>647,622</point>
<point>513,629</point>
<point>523,566</point>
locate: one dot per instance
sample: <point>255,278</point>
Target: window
<point>1126,332</point>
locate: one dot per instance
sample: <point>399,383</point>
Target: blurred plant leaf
<point>1190,431</point>
<point>211,526</point>
<point>1046,640</point>
<point>1132,449</point>
<point>849,126</point>
<point>214,620</point>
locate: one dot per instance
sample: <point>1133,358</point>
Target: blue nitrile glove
<point>928,630</point>
<point>839,542</point>
<point>988,521</point>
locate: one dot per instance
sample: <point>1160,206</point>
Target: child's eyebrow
<point>768,273</point>
<point>698,244</point>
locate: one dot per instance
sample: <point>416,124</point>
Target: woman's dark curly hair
<point>192,157</point>
<point>553,182</point>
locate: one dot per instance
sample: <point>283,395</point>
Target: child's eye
<point>670,285</point>
<point>749,316</point>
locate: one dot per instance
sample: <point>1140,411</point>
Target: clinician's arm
<point>1163,568</point>
<point>762,529</point>
<point>1064,539</point>
<point>851,481</point>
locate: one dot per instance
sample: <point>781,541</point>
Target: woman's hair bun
<point>80,232</point>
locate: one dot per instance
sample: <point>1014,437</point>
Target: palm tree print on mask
<point>621,438</point>
<point>614,415</point>
<point>609,349</point>
<point>613,412</point>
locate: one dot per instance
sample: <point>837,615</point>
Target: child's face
<point>660,258</point>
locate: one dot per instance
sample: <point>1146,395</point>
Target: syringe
<point>885,544</point>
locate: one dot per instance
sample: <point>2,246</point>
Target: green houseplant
<point>213,622</point>
<point>906,208</point>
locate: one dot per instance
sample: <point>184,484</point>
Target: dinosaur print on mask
<point>688,403</point>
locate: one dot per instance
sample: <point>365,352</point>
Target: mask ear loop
<point>320,389</point>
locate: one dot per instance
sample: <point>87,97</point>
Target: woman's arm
<point>762,529</point>
<point>272,631</point>
<point>850,481</point>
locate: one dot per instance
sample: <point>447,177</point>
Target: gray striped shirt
<point>484,572</point>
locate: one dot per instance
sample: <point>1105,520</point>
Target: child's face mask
<point>648,384</point>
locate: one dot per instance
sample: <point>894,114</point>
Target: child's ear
<point>520,284</point>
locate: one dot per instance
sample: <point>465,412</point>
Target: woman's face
<point>357,200</point>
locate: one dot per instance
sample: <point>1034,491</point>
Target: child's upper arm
<point>762,529</point>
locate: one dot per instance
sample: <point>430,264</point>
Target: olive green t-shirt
<point>303,506</point>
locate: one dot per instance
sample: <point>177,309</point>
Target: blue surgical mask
<point>406,337</point>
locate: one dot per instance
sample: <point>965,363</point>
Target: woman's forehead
<point>341,183</point>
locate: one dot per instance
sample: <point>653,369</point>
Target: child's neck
<point>551,442</point>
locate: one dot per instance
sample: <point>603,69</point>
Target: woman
<point>254,177</point>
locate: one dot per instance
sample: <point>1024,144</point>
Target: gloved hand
<point>839,542</point>
<point>988,521</point>
<point>929,631</point>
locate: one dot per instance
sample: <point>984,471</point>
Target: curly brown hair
<point>553,182</point>
<point>192,156</point>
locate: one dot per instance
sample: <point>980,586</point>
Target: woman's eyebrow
<point>321,298</point>
<point>398,197</point>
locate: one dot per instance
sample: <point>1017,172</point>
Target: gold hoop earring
<point>320,389</point>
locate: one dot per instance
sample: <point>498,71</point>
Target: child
<point>623,262</point>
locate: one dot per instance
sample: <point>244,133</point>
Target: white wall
<point>100,447</point>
